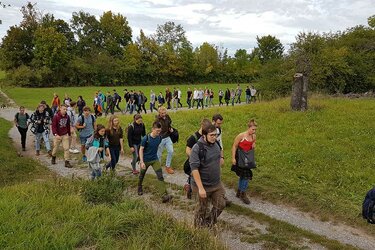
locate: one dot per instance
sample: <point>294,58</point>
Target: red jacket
<point>61,124</point>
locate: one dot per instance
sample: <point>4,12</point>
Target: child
<point>96,145</point>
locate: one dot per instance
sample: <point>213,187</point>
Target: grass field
<point>321,160</point>
<point>2,74</point>
<point>41,212</point>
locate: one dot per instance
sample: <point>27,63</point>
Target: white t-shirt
<point>195,94</point>
<point>179,94</point>
<point>253,91</point>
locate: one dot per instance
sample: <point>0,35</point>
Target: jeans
<point>247,98</point>
<point>38,137</point>
<point>188,101</point>
<point>166,143</point>
<point>115,155</point>
<point>95,173</point>
<point>243,184</point>
<point>135,156</point>
<point>152,107</point>
<point>23,132</point>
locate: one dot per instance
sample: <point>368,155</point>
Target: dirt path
<point>339,232</point>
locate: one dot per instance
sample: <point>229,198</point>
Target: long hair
<point>110,124</point>
<point>98,128</point>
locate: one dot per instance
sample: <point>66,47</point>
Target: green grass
<point>2,75</point>
<point>15,169</point>
<point>40,212</point>
<point>321,160</point>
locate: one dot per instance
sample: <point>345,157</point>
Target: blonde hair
<point>162,109</point>
<point>110,123</point>
<point>252,123</point>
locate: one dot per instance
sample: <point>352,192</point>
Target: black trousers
<point>23,132</point>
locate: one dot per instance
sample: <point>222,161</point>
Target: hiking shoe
<point>84,158</point>
<point>53,159</point>
<point>166,198</point>
<point>169,170</point>
<point>67,164</point>
<point>37,153</point>
<point>49,153</point>
<point>140,190</point>
<point>135,172</point>
<point>244,198</point>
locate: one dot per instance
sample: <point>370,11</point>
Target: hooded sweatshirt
<point>61,124</point>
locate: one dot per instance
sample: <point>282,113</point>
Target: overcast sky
<point>232,24</point>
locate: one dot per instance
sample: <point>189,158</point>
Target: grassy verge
<point>54,213</point>
<point>15,169</point>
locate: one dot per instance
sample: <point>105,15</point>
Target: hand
<point>57,137</point>
<point>202,193</point>
<point>122,151</point>
<point>132,149</point>
<point>100,149</point>
<point>84,125</point>
<point>221,161</point>
<point>234,162</point>
<point>171,130</point>
<point>142,165</point>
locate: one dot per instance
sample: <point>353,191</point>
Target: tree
<point>172,34</point>
<point>207,59</point>
<point>49,21</point>
<point>371,21</point>
<point>150,57</point>
<point>269,48</point>
<point>116,33</point>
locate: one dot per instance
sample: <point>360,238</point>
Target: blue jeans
<point>247,98</point>
<point>115,155</point>
<point>96,173</point>
<point>243,184</point>
<point>38,137</point>
<point>135,156</point>
<point>166,143</point>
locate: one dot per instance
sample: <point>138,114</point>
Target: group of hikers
<point>104,144</point>
<point>135,101</point>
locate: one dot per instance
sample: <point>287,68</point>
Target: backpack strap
<point>202,152</point>
<point>93,121</point>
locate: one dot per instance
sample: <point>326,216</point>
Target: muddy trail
<point>234,230</point>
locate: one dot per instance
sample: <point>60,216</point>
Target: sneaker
<point>169,170</point>
<point>76,151</point>
<point>140,190</point>
<point>71,150</point>
<point>166,198</point>
<point>37,153</point>
<point>49,153</point>
<point>84,158</point>
<point>135,172</point>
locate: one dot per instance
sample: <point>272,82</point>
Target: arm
<point>234,148</point>
<point>141,163</point>
<point>198,181</point>
<point>188,151</point>
<point>121,142</point>
<point>130,137</point>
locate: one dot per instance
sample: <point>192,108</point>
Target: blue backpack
<point>368,207</point>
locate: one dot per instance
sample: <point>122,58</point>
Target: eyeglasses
<point>213,135</point>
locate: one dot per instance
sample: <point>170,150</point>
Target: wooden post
<point>299,93</point>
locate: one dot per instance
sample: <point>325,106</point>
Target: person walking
<point>55,104</point>
<point>86,125</point>
<point>152,101</point>
<point>200,98</point>
<point>232,96</point>
<point>189,97</point>
<point>148,156</point>
<point>136,131</point>
<point>21,120</point>
<point>110,104</point>
<point>243,159</point>
<point>97,147</point>
<point>115,135</point>
<point>205,166</point>
<point>166,142</point>
<point>117,100</point>
<point>227,96</point>
<point>238,93</point>
<point>248,95</point>
<point>80,105</point>
<point>61,132</point>
<point>253,92</point>
<point>221,95</point>
<point>73,134</point>
<point>40,121</point>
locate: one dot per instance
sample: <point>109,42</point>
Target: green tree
<point>171,34</point>
<point>207,59</point>
<point>268,48</point>
<point>150,58</point>
<point>116,33</point>
<point>371,21</point>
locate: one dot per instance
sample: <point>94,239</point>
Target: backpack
<point>27,116</point>
<point>83,120</point>
<point>368,206</point>
<point>201,154</point>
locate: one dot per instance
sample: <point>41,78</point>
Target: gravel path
<point>342,233</point>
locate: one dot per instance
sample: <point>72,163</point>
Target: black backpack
<point>202,158</point>
<point>368,207</point>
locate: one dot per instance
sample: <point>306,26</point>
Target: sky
<point>231,24</point>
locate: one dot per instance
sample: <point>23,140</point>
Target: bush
<point>106,189</point>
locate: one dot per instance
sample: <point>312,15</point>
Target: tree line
<point>45,51</point>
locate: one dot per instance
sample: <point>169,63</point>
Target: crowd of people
<point>101,146</point>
